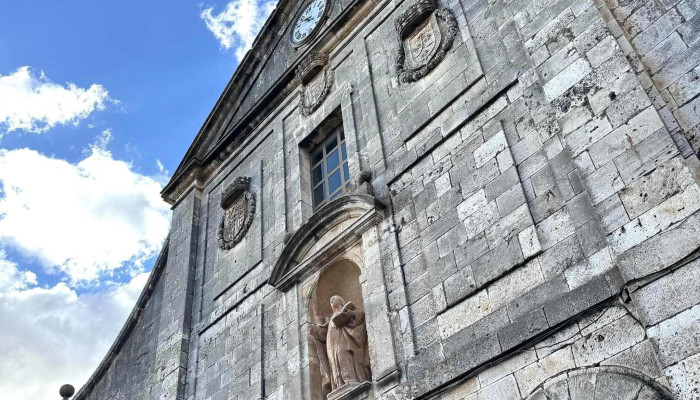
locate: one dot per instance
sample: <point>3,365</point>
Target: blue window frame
<point>329,168</point>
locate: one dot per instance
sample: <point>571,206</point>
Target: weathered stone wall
<point>540,222</point>
<point>608,338</point>
<point>132,374</point>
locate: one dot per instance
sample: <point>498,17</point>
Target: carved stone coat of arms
<point>425,35</point>
<point>315,82</point>
<point>239,205</point>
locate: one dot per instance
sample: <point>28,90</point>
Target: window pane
<point>318,174</point>
<point>342,133</point>
<point>346,172</point>
<point>332,161</point>
<point>316,155</point>
<point>331,143</point>
<point>344,153</point>
<point>334,182</point>
<point>336,194</point>
<point>319,194</point>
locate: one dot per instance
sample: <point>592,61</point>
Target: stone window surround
<point>339,103</point>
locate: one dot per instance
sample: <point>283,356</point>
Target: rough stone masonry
<point>509,192</point>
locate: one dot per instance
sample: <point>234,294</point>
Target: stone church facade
<point>506,191</point>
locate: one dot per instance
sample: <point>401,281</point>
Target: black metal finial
<point>66,391</point>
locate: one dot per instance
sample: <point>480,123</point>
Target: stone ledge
<point>349,390</point>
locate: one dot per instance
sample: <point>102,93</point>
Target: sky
<point>99,100</point>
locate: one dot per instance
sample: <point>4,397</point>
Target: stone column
<point>175,319</point>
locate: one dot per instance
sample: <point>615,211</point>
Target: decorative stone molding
<point>239,203</point>
<point>295,261</point>
<point>425,34</point>
<point>315,80</point>
<point>600,383</point>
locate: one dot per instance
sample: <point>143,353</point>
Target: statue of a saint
<point>341,344</point>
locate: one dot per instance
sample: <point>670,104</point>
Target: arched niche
<point>341,278</point>
<point>339,243</point>
<point>600,383</point>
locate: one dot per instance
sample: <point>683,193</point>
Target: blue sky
<point>98,103</point>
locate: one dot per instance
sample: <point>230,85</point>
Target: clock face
<point>308,20</point>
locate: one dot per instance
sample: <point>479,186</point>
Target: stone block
<point>515,283</point>
<point>590,132</point>
<point>508,226</point>
<point>577,300</point>
<point>459,285</point>
<point>525,328</point>
<point>667,180</point>
<point>496,262</point>
<point>664,51</point>
<point>481,219</point>
<point>537,297</point>
<point>504,389</point>
<point>507,367</point>
<point>640,357</point>
<point>510,199</point>
<point>662,250</point>
<point>604,182</point>
<point>554,229</point>
<point>591,237</point>
<point>471,250</point>
<point>490,149</point>
<point>684,378</point>
<point>501,184</point>
<point>464,314</point>
<point>571,75</point>
<point>580,209</point>
<point>677,337</point>
<point>656,220</point>
<point>644,157</point>
<point>471,204</point>
<point>607,341</point>
<point>597,264</point>
<point>529,242</point>
<point>669,295</point>
<point>531,376</point>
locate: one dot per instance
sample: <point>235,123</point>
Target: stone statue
<point>341,344</point>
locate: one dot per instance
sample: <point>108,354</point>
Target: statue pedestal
<point>349,390</point>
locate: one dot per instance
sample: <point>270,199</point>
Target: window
<point>329,168</point>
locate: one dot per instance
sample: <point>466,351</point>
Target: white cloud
<point>35,104</point>
<point>238,24</point>
<point>52,335</point>
<point>86,219</point>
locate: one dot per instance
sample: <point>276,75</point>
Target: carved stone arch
<point>315,242</point>
<point>600,383</point>
<point>345,231</point>
<point>351,260</point>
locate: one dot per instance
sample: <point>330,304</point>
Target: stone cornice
<point>204,155</point>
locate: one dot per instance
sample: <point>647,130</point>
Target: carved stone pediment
<point>239,205</point>
<point>425,34</point>
<point>314,243</point>
<point>315,82</point>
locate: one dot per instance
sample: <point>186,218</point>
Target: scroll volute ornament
<point>425,34</point>
<point>239,205</point>
<point>315,82</point>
